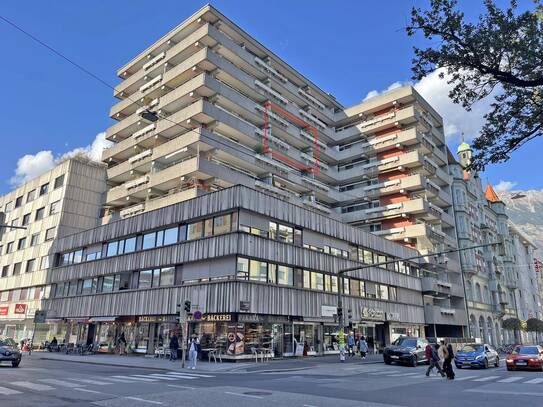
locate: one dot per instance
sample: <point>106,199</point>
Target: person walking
<point>447,364</point>
<point>363,347</point>
<point>350,344</point>
<point>194,348</point>
<point>121,343</point>
<point>442,353</point>
<point>432,356</point>
<point>174,347</point>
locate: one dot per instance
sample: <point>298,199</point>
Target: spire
<point>490,194</point>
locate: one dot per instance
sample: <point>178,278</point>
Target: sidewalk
<point>205,366</point>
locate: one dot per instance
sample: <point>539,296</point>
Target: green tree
<point>499,54</point>
<point>512,324</point>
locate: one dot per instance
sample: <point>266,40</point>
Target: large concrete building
<point>64,200</point>
<point>208,107</point>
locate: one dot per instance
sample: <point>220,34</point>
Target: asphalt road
<point>47,383</point>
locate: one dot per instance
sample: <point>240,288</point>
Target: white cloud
<point>456,119</point>
<point>33,165</point>
<point>504,186</point>
<point>373,93</point>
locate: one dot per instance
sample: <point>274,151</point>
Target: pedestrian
<point>363,347</point>
<point>447,365</point>
<point>194,348</point>
<point>442,353</point>
<point>350,344</point>
<point>174,347</point>
<point>433,358</point>
<point>121,343</point>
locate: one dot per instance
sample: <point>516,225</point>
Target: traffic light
<point>187,306</point>
<point>339,312</point>
<point>178,314</point>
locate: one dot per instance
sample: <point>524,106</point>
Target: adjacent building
<point>64,200</point>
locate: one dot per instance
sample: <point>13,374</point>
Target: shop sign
<point>373,314</point>
<point>249,318</point>
<point>20,309</point>
<point>217,317</point>
<point>245,306</point>
<point>30,312</point>
<point>328,310</point>
<point>393,316</point>
<point>4,310</point>
<point>157,318</point>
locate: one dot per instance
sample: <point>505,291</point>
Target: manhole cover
<point>257,393</point>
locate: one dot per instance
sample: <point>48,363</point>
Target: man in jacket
<point>432,356</point>
<point>174,346</point>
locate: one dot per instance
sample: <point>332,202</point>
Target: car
<point>407,350</point>
<point>480,355</point>
<point>528,357</point>
<point>9,352</point>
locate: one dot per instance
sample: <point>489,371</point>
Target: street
<point>58,383</point>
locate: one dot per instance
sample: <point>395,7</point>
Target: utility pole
<point>182,318</point>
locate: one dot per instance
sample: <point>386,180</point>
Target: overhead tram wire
<point>105,83</point>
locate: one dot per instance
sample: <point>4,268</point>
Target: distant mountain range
<point>527,213</point>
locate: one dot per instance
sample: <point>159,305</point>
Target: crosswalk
<point>49,384</point>
<point>477,378</point>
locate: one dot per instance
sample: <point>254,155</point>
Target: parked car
<point>9,352</point>
<point>480,355</point>
<point>405,350</point>
<point>525,357</point>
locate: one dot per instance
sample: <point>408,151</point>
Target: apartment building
<point>64,200</point>
<point>500,281</point>
<point>207,107</point>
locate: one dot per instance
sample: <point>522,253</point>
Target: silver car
<point>9,352</point>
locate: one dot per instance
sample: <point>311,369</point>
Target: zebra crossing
<point>478,378</point>
<point>49,384</point>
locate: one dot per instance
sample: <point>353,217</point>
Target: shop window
<point>195,230</point>
<point>243,268</point>
<point>285,275</point>
<point>258,271</point>
<point>392,294</point>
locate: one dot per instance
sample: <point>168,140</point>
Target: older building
<point>64,200</point>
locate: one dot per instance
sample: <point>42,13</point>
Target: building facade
<point>64,200</point>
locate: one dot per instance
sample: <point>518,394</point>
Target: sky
<point>352,49</point>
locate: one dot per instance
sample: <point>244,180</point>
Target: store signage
<point>393,316</point>
<point>30,312</point>
<point>245,306</point>
<point>4,310</point>
<point>249,318</point>
<point>328,310</point>
<point>20,309</point>
<point>157,318</point>
<point>217,317</point>
<point>373,314</point>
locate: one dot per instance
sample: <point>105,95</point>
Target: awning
<point>102,319</point>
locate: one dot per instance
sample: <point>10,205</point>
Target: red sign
<point>4,310</point>
<point>20,308</point>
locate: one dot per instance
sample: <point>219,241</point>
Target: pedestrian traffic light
<point>349,314</point>
<point>187,306</point>
<point>178,313</point>
<point>339,312</point>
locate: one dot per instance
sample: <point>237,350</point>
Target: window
<point>307,279</point>
<point>286,234</point>
<point>243,268</point>
<point>26,219</point>
<point>145,279</point>
<point>59,181</point>
<point>87,286</point>
<point>371,290</point>
<point>149,240</point>
<point>222,224</point>
<point>54,208</point>
<point>171,235</point>
<point>258,271</point>
<point>107,284</point>
<point>49,234</point>
<point>208,227</point>
<point>112,248</point>
<point>9,247</point>
<point>362,289</point>
<point>34,239</point>
<point>382,291</point>
<point>16,269</point>
<point>272,234</point>
<point>355,288</point>
<point>40,213</point>
<point>30,265</point>
<point>129,245</point>
<point>392,294</point>
<point>346,286</point>
<point>14,222</point>
<point>284,275</point>
<point>44,189</point>
<point>5,271</point>
<point>167,276</point>
<point>195,230</point>
<point>31,195</point>
<point>78,256</point>
<point>272,273</point>
<point>22,243</point>
<point>44,262</point>
<point>19,201</point>
<point>8,207</point>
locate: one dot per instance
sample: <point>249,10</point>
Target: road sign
<point>39,317</point>
<point>197,315</point>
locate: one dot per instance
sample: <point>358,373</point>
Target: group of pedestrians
<point>193,349</point>
<point>440,356</point>
<point>361,345</point>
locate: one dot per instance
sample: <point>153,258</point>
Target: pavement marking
<point>520,393</point>
<point>243,395</point>
<point>95,391</point>
<point>189,374</point>
<point>534,381</point>
<point>486,379</point>
<point>89,381</point>
<point>465,378</point>
<point>143,400</point>
<point>117,380</point>
<point>60,383</point>
<point>32,386</point>
<point>384,372</point>
<point>177,386</point>
<point>510,379</point>
<point>166,377</point>
<point>142,379</point>
<point>7,392</point>
<point>404,374</point>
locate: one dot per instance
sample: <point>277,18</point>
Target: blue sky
<point>348,48</point>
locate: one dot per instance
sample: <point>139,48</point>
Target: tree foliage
<point>501,55</point>
<point>534,325</point>
<point>511,324</point>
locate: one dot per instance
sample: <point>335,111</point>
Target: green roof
<point>463,147</point>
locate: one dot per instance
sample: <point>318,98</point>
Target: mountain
<point>527,213</point>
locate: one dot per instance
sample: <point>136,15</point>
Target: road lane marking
<point>60,383</point>
<point>465,378</point>
<point>510,379</point>
<point>143,400</point>
<point>32,386</point>
<point>117,380</point>
<point>177,386</point>
<point>534,381</point>
<point>165,377</point>
<point>141,379</point>
<point>243,395</point>
<point>518,393</point>
<point>486,379</point>
<point>404,374</point>
<point>384,372</point>
<point>89,381</point>
<point>95,391</point>
<point>190,374</point>
<point>7,392</point>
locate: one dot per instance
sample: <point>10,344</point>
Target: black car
<point>406,350</point>
<point>9,352</point>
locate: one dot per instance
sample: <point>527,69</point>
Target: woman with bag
<point>363,347</point>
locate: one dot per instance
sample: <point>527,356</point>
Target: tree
<point>501,54</point>
<point>512,324</point>
<point>534,325</point>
